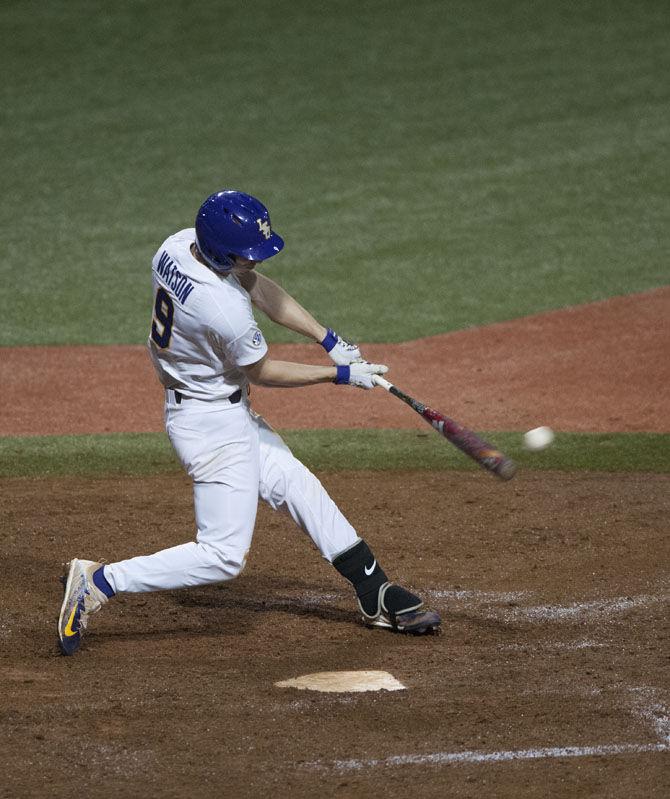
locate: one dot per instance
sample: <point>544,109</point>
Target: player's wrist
<point>342,375</point>
<point>340,351</point>
<point>329,339</point>
<point>319,333</point>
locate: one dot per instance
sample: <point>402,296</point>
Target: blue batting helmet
<point>233,223</point>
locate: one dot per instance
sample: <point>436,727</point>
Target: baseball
<point>538,438</point>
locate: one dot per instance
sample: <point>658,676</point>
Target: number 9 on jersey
<point>161,327</point>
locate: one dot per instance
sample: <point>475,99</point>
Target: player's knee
<point>276,484</point>
<point>233,567</point>
<point>221,562</point>
<point>285,479</point>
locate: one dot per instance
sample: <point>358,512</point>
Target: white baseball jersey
<point>203,328</point>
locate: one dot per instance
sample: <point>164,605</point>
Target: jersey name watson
<point>180,284</point>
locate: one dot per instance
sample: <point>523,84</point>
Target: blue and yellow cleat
<point>81,599</point>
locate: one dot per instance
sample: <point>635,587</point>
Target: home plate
<point>344,682</point>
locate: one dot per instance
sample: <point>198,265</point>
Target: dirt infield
<point>550,678</point>
<point>601,367</point>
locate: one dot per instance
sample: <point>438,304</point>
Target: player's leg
<point>220,452</point>
<point>225,514</point>
<point>287,484</point>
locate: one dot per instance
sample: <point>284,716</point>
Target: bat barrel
<point>483,453</point>
<point>506,469</point>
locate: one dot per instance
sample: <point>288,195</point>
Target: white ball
<point>538,438</point>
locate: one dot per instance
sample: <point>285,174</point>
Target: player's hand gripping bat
<point>487,456</point>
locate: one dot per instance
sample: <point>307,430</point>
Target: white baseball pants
<point>233,457</point>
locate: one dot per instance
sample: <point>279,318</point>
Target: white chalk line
<point>477,597</point>
<point>646,705</point>
<point>563,646</point>
<point>473,757</point>
<point>598,609</point>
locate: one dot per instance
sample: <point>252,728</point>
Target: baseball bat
<point>483,453</point>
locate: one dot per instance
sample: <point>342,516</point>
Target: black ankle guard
<point>392,601</point>
<point>396,600</point>
<point>360,567</point>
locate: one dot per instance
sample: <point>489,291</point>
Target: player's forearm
<point>285,374</point>
<point>283,309</point>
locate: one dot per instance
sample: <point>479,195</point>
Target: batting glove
<point>359,374</point>
<point>341,351</point>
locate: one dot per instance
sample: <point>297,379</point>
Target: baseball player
<point>207,348</point>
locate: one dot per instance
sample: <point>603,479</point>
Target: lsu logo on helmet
<point>264,227</point>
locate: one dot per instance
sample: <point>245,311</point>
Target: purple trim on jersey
<point>343,375</point>
<point>330,340</point>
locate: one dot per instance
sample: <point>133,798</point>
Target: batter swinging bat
<point>487,456</point>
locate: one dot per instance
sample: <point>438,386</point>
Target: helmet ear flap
<point>222,263</point>
<point>225,263</point>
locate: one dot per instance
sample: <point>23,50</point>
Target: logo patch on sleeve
<point>257,338</point>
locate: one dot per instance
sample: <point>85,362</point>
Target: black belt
<point>233,399</point>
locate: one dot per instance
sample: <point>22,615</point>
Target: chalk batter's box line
<point>493,605</point>
<point>473,757</point>
<point>646,707</point>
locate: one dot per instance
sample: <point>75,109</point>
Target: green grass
<point>334,450</point>
<point>443,163</point>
